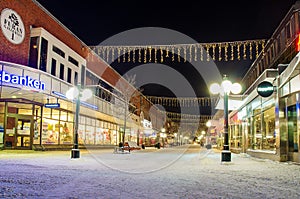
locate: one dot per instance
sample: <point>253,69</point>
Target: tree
<point>128,99</point>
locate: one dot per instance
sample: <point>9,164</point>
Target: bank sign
<point>27,81</point>
<point>12,26</point>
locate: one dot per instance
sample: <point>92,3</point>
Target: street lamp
<point>76,93</point>
<point>224,89</point>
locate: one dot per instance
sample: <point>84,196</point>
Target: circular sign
<point>265,89</point>
<point>12,26</point>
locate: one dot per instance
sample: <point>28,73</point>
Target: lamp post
<point>208,125</point>
<point>77,94</point>
<point>163,136</point>
<point>224,89</point>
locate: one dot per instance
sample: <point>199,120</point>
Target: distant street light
<point>76,93</point>
<point>208,124</point>
<point>225,89</point>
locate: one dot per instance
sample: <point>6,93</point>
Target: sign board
<point>27,81</point>
<point>52,105</point>
<point>12,26</point>
<point>265,89</point>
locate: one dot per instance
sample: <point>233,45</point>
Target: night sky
<point>212,21</point>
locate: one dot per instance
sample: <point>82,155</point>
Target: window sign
<point>12,26</point>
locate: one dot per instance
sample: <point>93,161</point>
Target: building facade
<point>268,126</point>
<point>40,60</point>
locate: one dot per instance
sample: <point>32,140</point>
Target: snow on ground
<point>178,172</point>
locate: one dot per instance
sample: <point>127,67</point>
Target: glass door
<point>19,131</point>
<point>23,132</point>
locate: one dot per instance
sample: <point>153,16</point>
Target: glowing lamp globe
<point>215,88</point>
<point>72,93</point>
<point>236,88</point>
<point>226,85</point>
<point>86,94</point>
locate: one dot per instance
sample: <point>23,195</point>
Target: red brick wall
<point>33,16</point>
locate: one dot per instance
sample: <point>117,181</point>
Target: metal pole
<point>75,153</point>
<point>226,154</point>
<point>125,120</point>
<point>226,145</point>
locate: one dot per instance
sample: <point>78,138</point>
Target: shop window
<point>63,116</point>
<point>106,136</point>
<point>99,135</point>
<point>257,134</point>
<point>81,134</point>
<point>70,117</point>
<point>292,129</point>
<point>47,112</point>
<point>24,109</point>
<point>81,119</point>
<point>50,131</point>
<point>268,133</point>
<point>90,135</point>
<point>88,121</point>
<point>66,133</point>
<point>36,131</point>
<point>55,114</point>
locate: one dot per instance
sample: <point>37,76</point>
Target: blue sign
<point>52,105</point>
<point>6,77</point>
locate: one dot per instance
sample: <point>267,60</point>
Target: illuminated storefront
<point>25,122</point>
<point>268,126</point>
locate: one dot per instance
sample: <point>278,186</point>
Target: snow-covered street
<point>178,172</point>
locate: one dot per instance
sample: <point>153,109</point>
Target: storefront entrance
<point>20,122</point>
<point>19,131</point>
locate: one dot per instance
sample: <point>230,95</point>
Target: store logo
<point>265,89</point>
<point>5,77</point>
<point>12,26</point>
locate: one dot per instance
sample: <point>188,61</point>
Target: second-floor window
<point>61,71</point>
